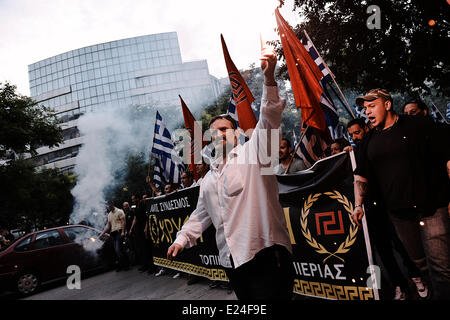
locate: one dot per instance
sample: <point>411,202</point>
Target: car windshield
<point>80,234</point>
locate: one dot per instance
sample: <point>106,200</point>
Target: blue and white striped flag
<point>436,114</point>
<point>447,112</point>
<point>231,110</point>
<point>168,165</point>
<point>327,104</point>
<point>361,113</point>
<point>311,147</point>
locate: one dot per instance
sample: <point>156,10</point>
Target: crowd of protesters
<point>401,180</point>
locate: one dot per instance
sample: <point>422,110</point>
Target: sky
<point>35,30</point>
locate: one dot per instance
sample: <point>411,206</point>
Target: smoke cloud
<point>109,134</point>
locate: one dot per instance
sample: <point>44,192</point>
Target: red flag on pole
<point>304,75</point>
<point>196,143</point>
<point>242,95</point>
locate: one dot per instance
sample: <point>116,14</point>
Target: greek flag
<point>361,113</point>
<point>231,110</point>
<point>168,165</point>
<point>447,112</point>
<point>311,147</point>
<point>327,104</point>
<point>436,114</point>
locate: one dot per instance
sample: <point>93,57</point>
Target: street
<point>133,285</point>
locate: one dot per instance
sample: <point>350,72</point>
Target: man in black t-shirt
<point>382,232</point>
<point>404,160</point>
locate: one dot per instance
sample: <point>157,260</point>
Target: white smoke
<point>109,134</point>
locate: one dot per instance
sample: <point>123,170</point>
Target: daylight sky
<point>32,30</point>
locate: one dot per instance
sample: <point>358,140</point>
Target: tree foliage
<point>405,55</point>
<point>25,126</point>
<point>130,180</point>
<point>29,198</point>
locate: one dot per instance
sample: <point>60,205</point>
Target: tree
<point>405,55</point>
<point>34,199</point>
<point>130,180</point>
<point>24,125</point>
<point>27,197</point>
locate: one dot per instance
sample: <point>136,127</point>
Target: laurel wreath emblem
<point>319,248</point>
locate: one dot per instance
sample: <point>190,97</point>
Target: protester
<point>404,159</point>
<point>138,228</point>
<point>155,191</point>
<point>116,224</point>
<point>131,243</point>
<point>357,128</point>
<point>252,238</point>
<point>285,154</point>
<point>169,188</point>
<point>6,238</point>
<point>338,145</point>
<point>201,169</point>
<point>187,179</point>
<point>382,233</point>
<point>415,107</point>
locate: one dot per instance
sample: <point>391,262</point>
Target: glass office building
<point>135,71</point>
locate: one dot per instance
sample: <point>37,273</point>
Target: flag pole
<point>436,108</point>
<point>299,142</point>
<point>347,105</point>
<point>295,151</point>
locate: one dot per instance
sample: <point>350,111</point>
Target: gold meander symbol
<point>319,248</point>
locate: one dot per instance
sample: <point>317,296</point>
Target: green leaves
<point>400,56</point>
<point>25,126</point>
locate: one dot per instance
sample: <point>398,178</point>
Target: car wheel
<point>27,283</point>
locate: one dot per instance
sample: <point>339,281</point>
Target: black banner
<point>167,214</point>
<point>330,254</point>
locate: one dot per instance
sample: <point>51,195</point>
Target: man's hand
<point>348,149</point>
<point>357,215</point>
<point>173,251</point>
<point>268,64</point>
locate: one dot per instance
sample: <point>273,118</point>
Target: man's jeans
<point>119,249</point>
<point>427,242</point>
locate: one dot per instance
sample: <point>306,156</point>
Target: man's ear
<point>388,105</point>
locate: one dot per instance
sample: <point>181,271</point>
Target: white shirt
<point>115,218</point>
<point>241,202</point>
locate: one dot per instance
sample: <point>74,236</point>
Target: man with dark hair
<point>242,203</point>
<point>415,107</point>
<point>187,178</point>
<point>404,160</point>
<point>116,224</point>
<point>225,116</point>
<point>202,169</point>
<point>285,155</point>
<point>169,188</point>
<point>357,128</point>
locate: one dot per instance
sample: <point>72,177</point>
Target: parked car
<point>44,256</point>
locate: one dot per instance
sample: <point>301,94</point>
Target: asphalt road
<point>134,285</point>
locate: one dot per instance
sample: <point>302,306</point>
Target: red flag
<point>194,144</point>
<point>242,95</point>
<point>304,75</point>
